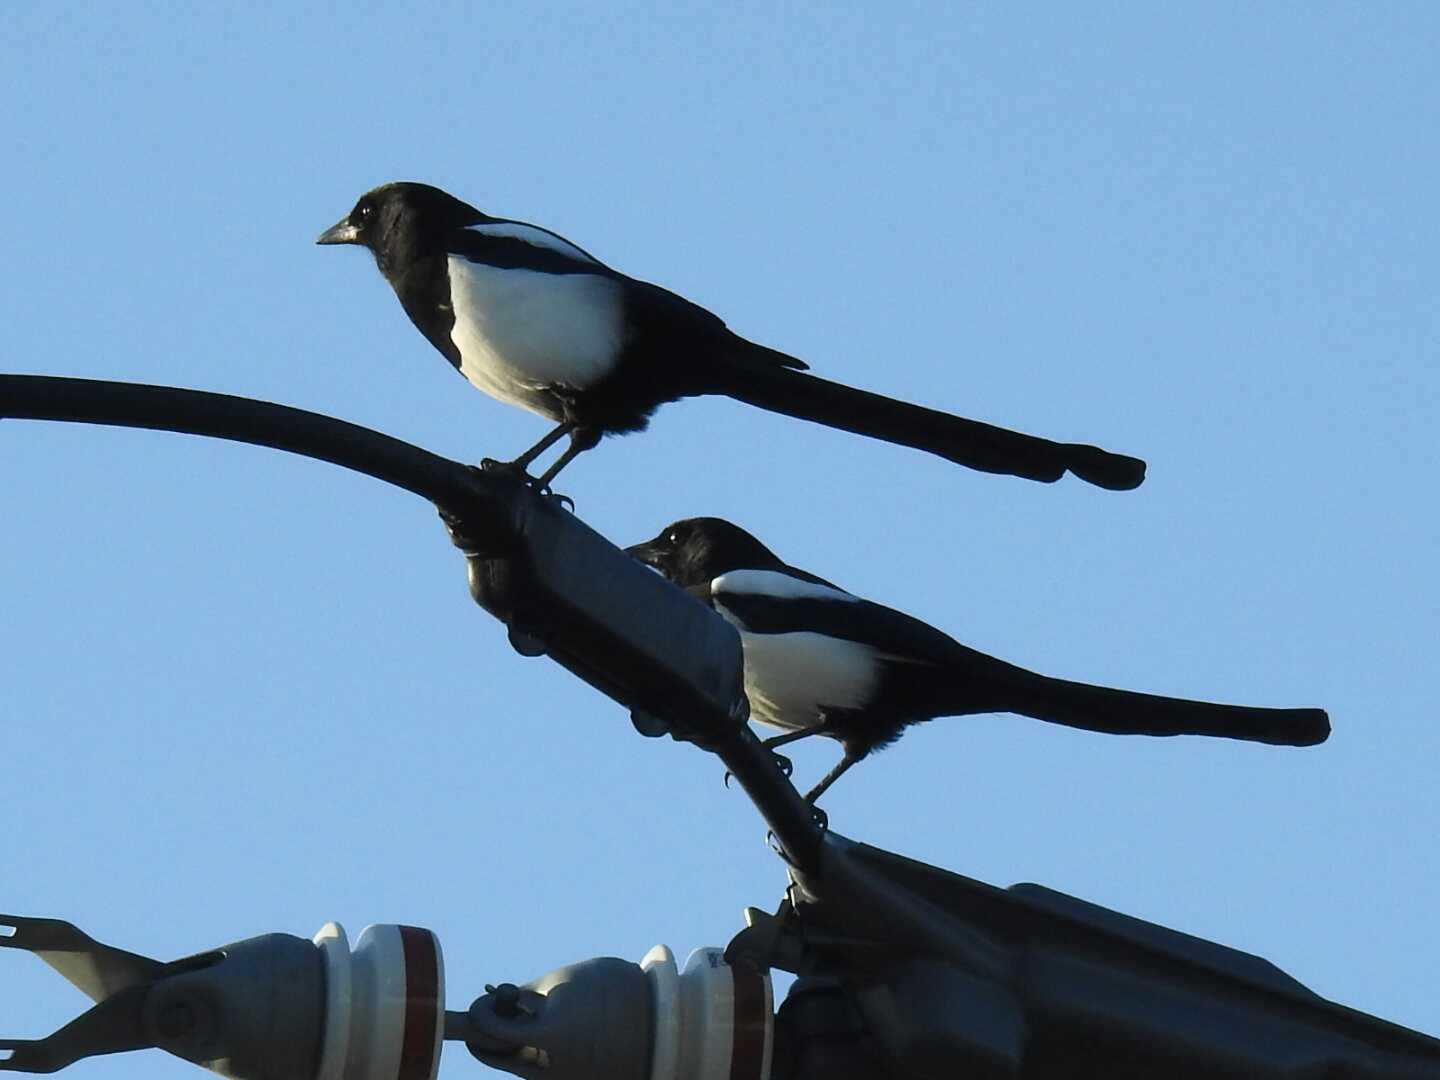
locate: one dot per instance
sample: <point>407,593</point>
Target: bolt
<point>507,1000</point>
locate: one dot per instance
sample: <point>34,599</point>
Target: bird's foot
<point>782,763</point>
<point>516,471</point>
<point>818,817</point>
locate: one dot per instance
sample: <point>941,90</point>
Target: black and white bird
<point>535,321</point>
<point>820,661</point>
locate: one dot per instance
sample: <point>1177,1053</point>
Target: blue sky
<point>247,692</point>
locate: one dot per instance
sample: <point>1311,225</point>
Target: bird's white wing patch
<point>534,235</point>
<point>775,584</point>
<point>521,331</point>
<point>789,678</point>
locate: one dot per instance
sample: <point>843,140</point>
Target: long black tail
<point>1125,712</point>
<point>757,379</point>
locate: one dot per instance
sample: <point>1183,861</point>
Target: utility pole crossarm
<point>560,587</point>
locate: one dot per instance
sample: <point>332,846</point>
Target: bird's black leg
<point>781,760</point>
<point>833,775</point>
<point>522,463</point>
<point>792,736</point>
<point>581,439</point>
<point>783,763</point>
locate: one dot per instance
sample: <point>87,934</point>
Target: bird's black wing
<point>889,632</point>
<point>662,317</point>
<point>518,245</point>
<point>930,674</point>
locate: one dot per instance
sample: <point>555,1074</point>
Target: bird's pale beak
<point>342,232</point>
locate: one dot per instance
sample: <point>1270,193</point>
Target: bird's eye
<point>363,211</point>
<point>673,538</point>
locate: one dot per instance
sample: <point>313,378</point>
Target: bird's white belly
<point>789,678</point>
<point>520,332</point>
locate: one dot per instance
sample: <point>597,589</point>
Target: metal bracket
<point>118,981</point>
<point>251,1008</point>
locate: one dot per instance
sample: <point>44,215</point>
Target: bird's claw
<point>821,821</point>
<point>519,475</point>
<point>783,763</point>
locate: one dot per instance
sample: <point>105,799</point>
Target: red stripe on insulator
<point>747,1042</point>
<point>422,1000</point>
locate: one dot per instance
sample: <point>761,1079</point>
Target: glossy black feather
<point>922,673</point>
<point>666,346</point>
<point>513,253</point>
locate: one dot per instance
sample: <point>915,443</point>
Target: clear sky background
<point>247,692</point>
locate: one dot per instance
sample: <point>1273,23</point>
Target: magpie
<point>538,322</point>
<point>821,661</point>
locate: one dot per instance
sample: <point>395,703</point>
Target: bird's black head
<point>697,550</point>
<point>401,222</point>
